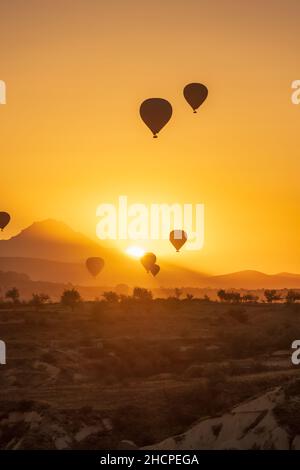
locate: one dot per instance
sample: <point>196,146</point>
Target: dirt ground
<point>135,371</point>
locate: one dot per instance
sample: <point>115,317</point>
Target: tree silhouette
<point>140,293</point>
<point>231,297</point>
<point>271,295</point>
<point>70,298</point>
<point>222,295</point>
<point>178,293</point>
<point>292,296</point>
<point>189,296</point>
<point>111,297</point>
<point>39,300</point>
<point>249,298</point>
<point>14,295</point>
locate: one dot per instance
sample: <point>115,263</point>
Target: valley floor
<point>119,376</point>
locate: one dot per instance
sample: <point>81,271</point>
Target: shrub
<point>70,298</point>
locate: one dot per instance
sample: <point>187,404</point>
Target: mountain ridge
<point>51,251</point>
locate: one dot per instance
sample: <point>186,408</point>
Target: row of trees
<point>271,295</point>
<point>37,300</point>
<point>71,297</point>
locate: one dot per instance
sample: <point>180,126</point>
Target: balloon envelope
<point>4,219</point>
<point>155,270</point>
<point>156,112</point>
<point>178,238</point>
<point>195,94</point>
<point>94,265</point>
<point>148,260</point>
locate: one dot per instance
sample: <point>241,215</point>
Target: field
<point>119,375</point>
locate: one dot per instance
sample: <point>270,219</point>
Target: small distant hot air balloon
<point>156,113</point>
<point>148,261</point>
<point>155,270</point>
<point>195,94</point>
<point>178,238</point>
<point>4,220</point>
<point>94,265</point>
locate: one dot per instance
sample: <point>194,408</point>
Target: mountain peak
<point>50,239</point>
<point>49,229</point>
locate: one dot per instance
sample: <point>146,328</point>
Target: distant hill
<point>47,270</point>
<point>255,280</point>
<point>50,251</point>
<point>11,277</point>
<point>51,240</point>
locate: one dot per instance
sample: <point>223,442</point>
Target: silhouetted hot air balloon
<point>94,265</point>
<point>178,238</point>
<point>195,94</point>
<point>156,112</point>
<point>155,270</point>
<point>148,261</point>
<point>4,220</point>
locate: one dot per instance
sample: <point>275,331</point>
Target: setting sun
<point>135,251</point>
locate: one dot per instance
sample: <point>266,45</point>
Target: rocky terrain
<point>270,421</point>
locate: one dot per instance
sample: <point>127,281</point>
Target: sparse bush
<point>249,298</point>
<point>39,300</point>
<point>14,295</point>
<point>230,297</point>
<point>70,298</point>
<point>140,293</point>
<point>178,293</point>
<point>222,295</point>
<point>271,295</point>
<point>189,297</point>
<point>292,296</point>
<point>111,297</point>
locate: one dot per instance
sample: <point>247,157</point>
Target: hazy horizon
<point>76,73</point>
<point>64,232</point>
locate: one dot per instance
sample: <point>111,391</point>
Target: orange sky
<point>71,137</point>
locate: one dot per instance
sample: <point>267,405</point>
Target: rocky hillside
<point>270,421</point>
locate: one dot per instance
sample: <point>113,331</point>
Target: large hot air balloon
<point>156,112</point>
<point>4,220</point>
<point>94,265</point>
<point>148,261</point>
<point>155,270</point>
<point>178,238</point>
<point>195,94</point>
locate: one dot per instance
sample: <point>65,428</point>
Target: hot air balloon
<point>156,112</point>
<point>178,238</point>
<point>94,265</point>
<point>4,220</point>
<point>195,94</point>
<point>155,270</point>
<point>148,261</point>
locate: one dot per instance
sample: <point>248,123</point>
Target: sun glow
<point>135,251</point>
